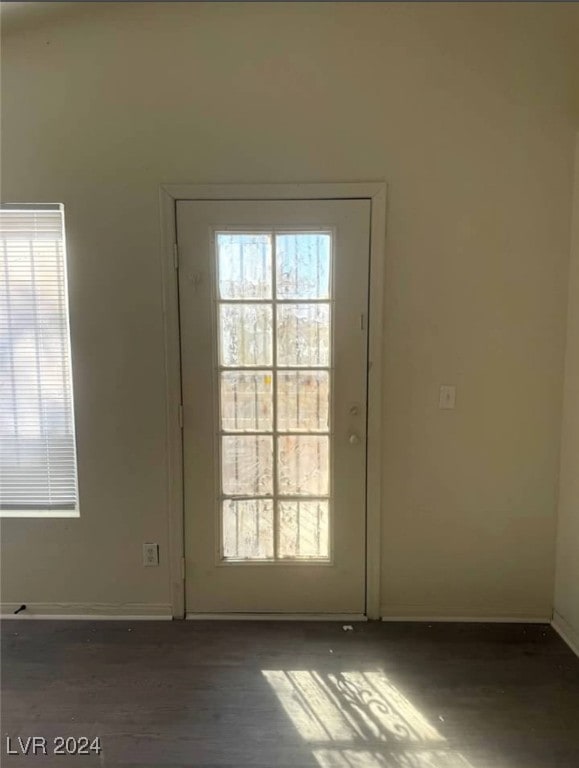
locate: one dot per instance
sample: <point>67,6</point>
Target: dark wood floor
<point>292,694</point>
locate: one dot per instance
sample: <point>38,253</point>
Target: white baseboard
<point>345,617</point>
<point>566,632</point>
<point>473,619</point>
<point>90,611</point>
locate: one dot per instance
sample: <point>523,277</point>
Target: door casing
<point>169,194</point>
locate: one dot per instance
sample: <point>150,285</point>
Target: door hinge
<point>183,568</point>
<point>176,255</point>
<point>362,322</point>
<point>181,415</point>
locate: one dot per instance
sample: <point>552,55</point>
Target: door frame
<point>169,194</point>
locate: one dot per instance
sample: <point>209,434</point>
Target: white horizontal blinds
<point>37,451</point>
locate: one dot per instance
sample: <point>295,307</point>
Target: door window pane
<point>247,529</point>
<point>303,334</point>
<point>246,465</point>
<point>303,465</point>
<point>244,266</point>
<point>245,334</point>
<point>246,401</point>
<point>303,529</point>
<point>303,265</point>
<point>303,401</point>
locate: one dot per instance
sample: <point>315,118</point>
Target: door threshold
<point>345,617</point>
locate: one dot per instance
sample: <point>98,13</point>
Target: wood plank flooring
<point>282,694</point>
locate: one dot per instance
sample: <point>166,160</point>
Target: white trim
<point>40,513</point>
<point>96,611</point>
<point>174,447</point>
<point>471,619</point>
<point>331,191</point>
<point>566,632</point>
<point>83,617</point>
<point>374,466</point>
<point>376,193</point>
<point>345,617</point>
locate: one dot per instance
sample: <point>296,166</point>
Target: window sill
<point>39,513</point>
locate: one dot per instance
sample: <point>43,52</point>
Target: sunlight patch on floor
<point>360,720</point>
<point>421,758</point>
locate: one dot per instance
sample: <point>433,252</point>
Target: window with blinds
<point>37,441</point>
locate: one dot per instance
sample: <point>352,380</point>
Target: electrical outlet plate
<point>150,554</point>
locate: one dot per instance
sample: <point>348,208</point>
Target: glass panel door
<point>272,296</point>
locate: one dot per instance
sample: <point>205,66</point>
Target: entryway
<point>273,310</point>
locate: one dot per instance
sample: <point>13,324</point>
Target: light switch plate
<point>447,398</point>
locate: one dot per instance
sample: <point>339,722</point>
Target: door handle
<point>354,439</point>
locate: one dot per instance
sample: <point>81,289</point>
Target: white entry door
<point>273,301</point>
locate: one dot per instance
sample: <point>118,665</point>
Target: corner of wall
<point>566,599</point>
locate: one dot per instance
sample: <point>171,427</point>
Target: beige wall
<point>567,577</point>
<point>466,111</point>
